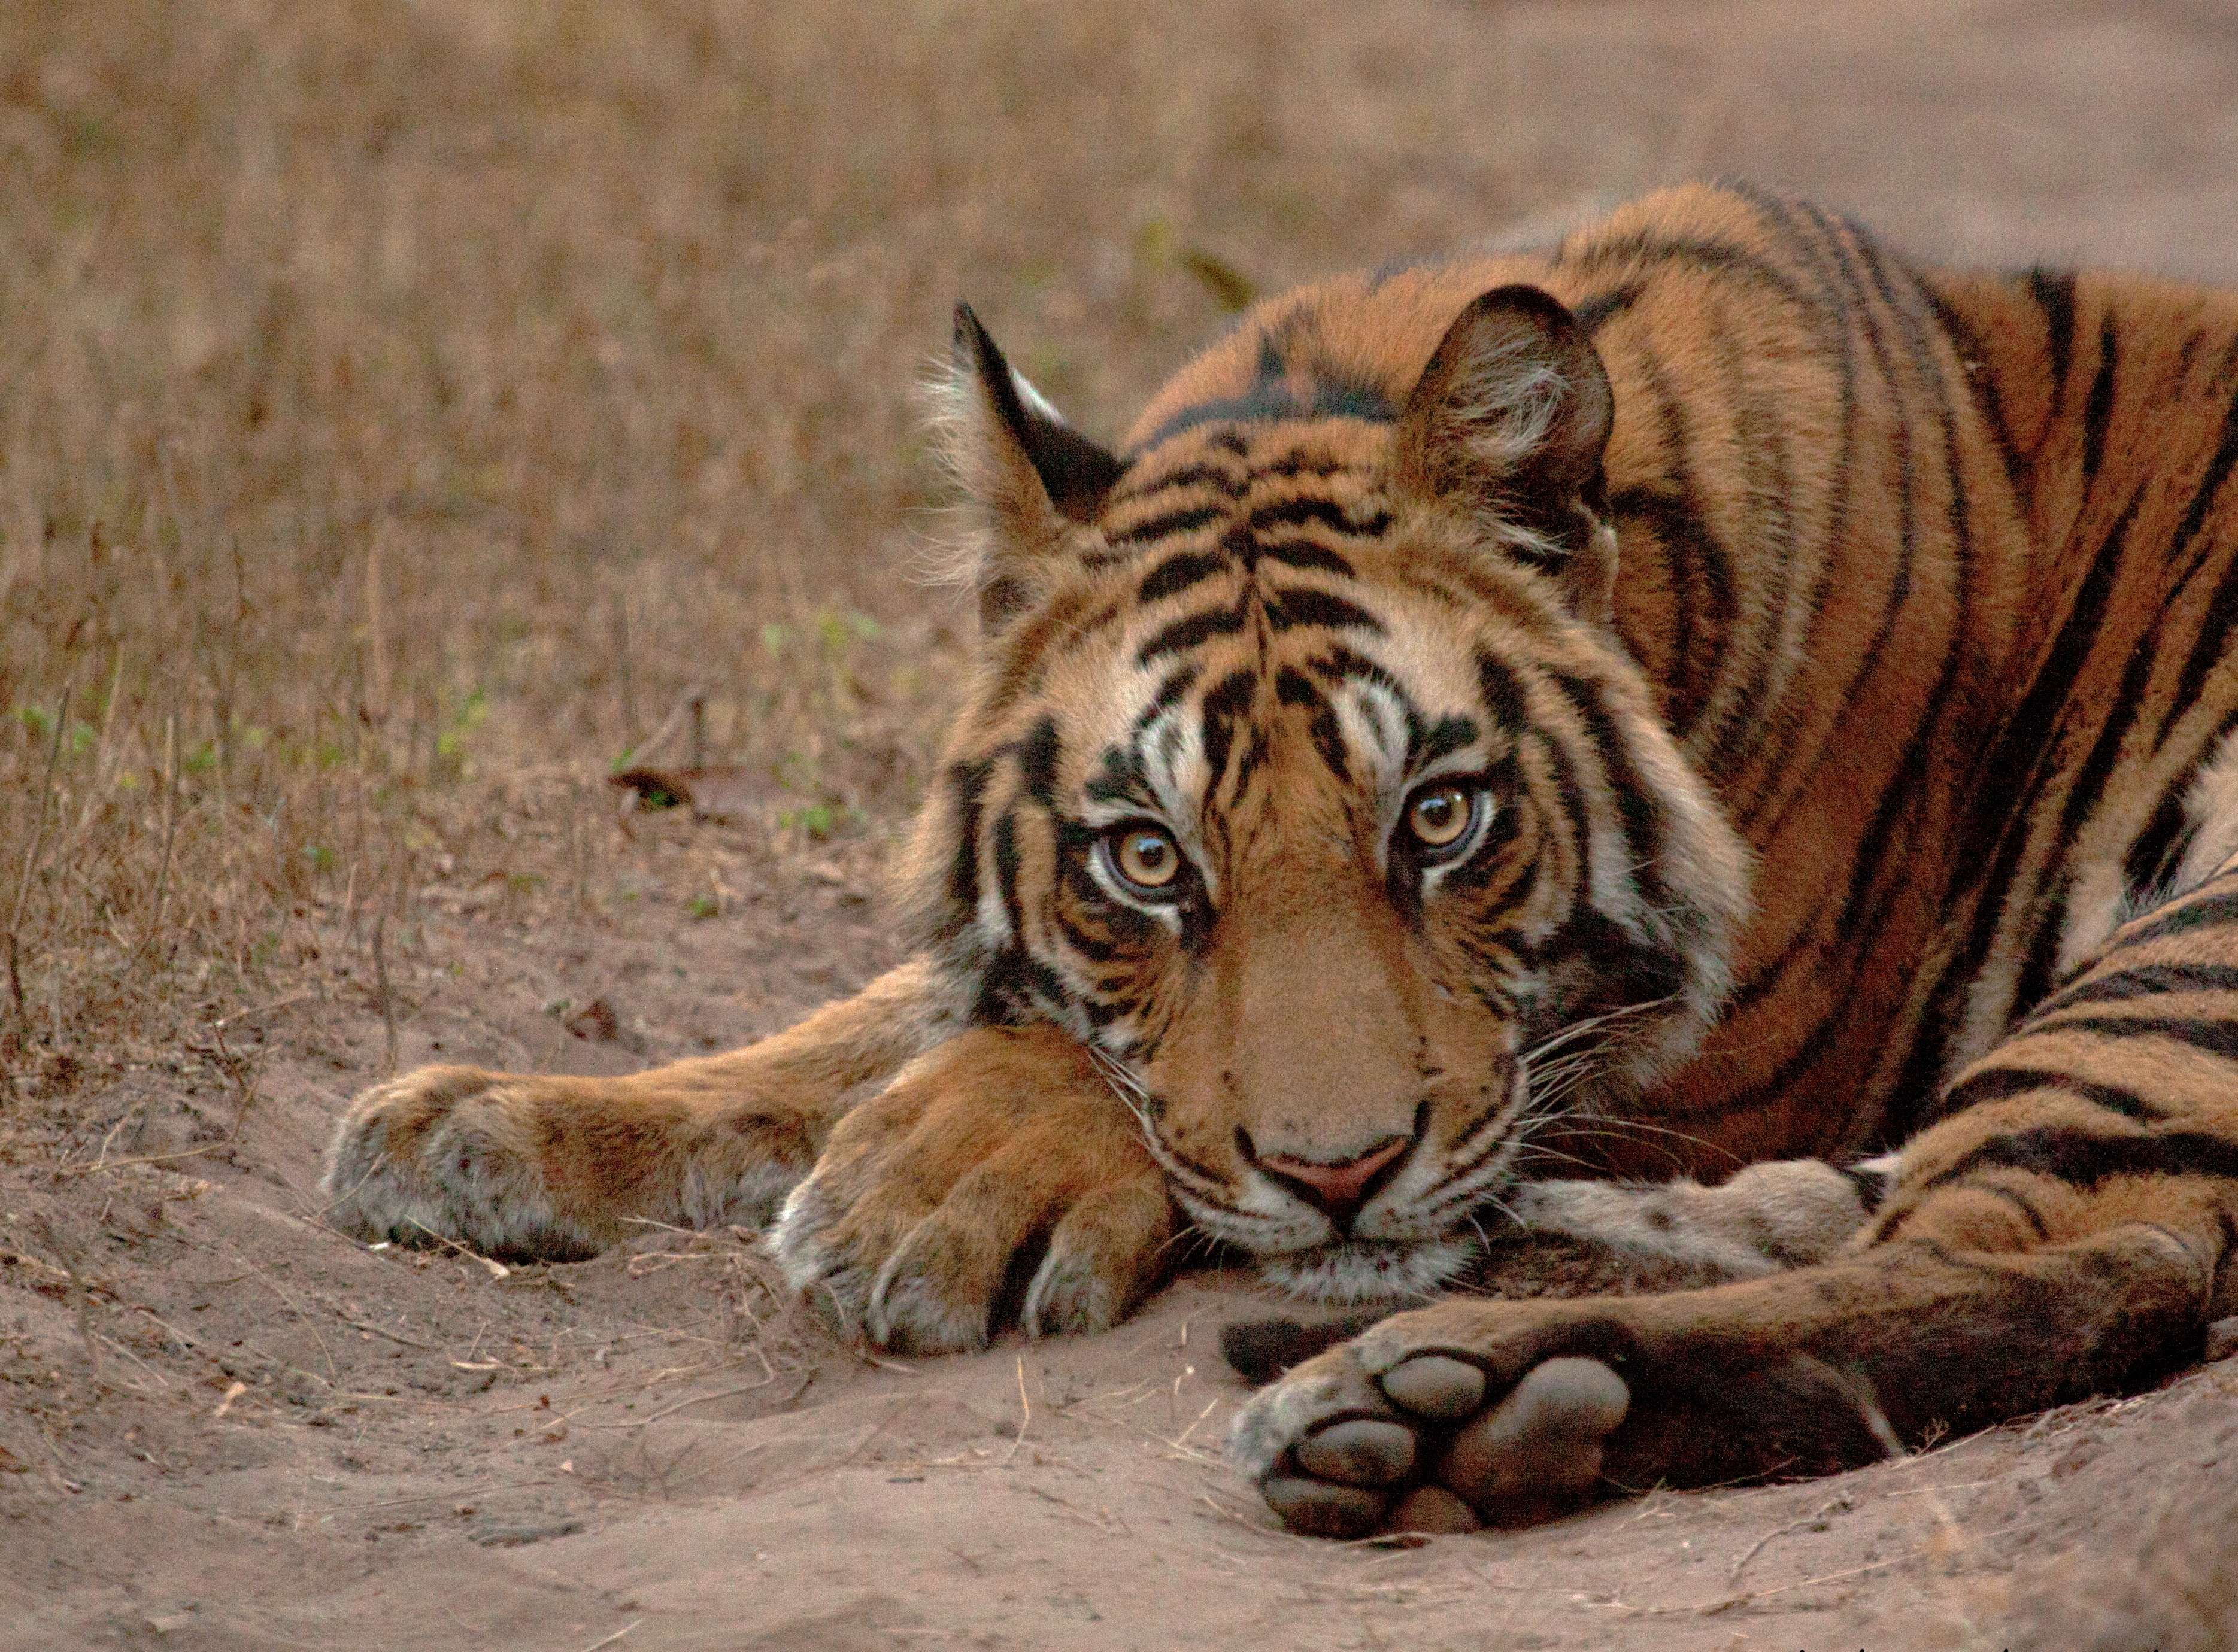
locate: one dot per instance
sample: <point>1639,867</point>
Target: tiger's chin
<point>1370,1270</point>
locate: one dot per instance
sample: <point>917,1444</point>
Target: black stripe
<point>1168,695</point>
<point>2210,912</point>
<point>1185,634</point>
<point>2084,1160</point>
<point>1214,477</point>
<point>1038,760</point>
<point>2212,648</point>
<point>1303,553</point>
<point>1996,1083</point>
<point>1092,949</point>
<point>2020,1202</point>
<point>1340,663</point>
<point>2156,852</point>
<point>1872,1185</point>
<point>1181,521</point>
<point>2054,293</point>
<point>1292,687</point>
<point>2218,1038</point>
<point>2160,847</point>
<point>1298,607</point>
<point>1987,397</point>
<point>1299,462</point>
<point>2006,788</point>
<point>1178,573</point>
<point>1635,804</point>
<point>1226,700</point>
<point>1595,313</point>
<point>2145,981</point>
<point>2203,500</point>
<point>1693,553</point>
<point>1448,734</point>
<point>1271,401</point>
<point>967,785</point>
<point>1296,513</point>
<point>1503,693</point>
<point>2085,790</point>
<point>2098,412</point>
<point>1646,247</point>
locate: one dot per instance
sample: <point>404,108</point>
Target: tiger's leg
<point>994,1150</point>
<point>2068,1232</point>
<point>557,1167</point>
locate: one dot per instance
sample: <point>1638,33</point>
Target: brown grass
<point>407,403</point>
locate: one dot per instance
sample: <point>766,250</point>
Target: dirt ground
<point>222,1425</point>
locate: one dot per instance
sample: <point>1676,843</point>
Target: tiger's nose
<point>1340,1189</point>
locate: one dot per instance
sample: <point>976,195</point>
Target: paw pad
<point>1362,1452</point>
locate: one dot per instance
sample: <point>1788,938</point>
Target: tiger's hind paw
<point>1428,1444</point>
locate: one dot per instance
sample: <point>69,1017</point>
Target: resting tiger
<point>1706,693</point>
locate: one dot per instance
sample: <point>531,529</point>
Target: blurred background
<point>405,404</point>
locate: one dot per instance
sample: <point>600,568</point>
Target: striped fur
<point>1827,666</point>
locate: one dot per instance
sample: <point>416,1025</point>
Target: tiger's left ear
<point>1509,421</point>
<point>1019,461</point>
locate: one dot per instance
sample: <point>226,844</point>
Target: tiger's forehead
<point>1225,476</point>
<point>1259,627</point>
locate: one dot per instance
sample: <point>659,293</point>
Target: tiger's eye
<point>1146,857</point>
<point>1439,816</point>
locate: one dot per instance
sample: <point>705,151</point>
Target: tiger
<point>1700,738</point>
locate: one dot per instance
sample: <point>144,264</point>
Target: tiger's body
<point>1706,694</point>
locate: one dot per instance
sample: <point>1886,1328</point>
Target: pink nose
<point>1340,1189</point>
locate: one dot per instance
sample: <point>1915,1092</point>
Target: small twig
<point>170,826</point>
<point>615,1636</point>
<point>497,1270</point>
<point>476,1492</point>
<point>239,1069</point>
<point>39,820</point>
<point>381,990</point>
<point>627,681</point>
<point>31,865</point>
<point>1837,1506</point>
<point>263,1009</point>
<point>150,1158</point>
<point>82,1298</point>
<point>356,1324</point>
<point>234,1391</point>
<point>720,1393</point>
<point>1025,1415</point>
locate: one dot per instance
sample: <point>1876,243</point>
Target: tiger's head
<point>1305,778</point>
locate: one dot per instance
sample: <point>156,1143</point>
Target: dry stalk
<point>80,1296</point>
<point>1025,1414</point>
<point>170,830</point>
<point>386,1003</point>
<point>31,862</point>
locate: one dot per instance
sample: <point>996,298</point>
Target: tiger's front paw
<point>449,1152</point>
<point>998,1175</point>
<point>1398,1431</point>
<point>558,1168</point>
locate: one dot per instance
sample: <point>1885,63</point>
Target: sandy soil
<point>222,1425</point>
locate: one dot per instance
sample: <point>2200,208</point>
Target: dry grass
<point>405,404</point>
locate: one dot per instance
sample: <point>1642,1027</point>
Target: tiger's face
<point>1305,781</point>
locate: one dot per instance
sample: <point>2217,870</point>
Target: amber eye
<point>1145,857</point>
<point>1439,816</point>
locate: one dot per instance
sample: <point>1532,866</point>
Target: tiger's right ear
<point>1021,463</point>
<point>1509,422</point>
